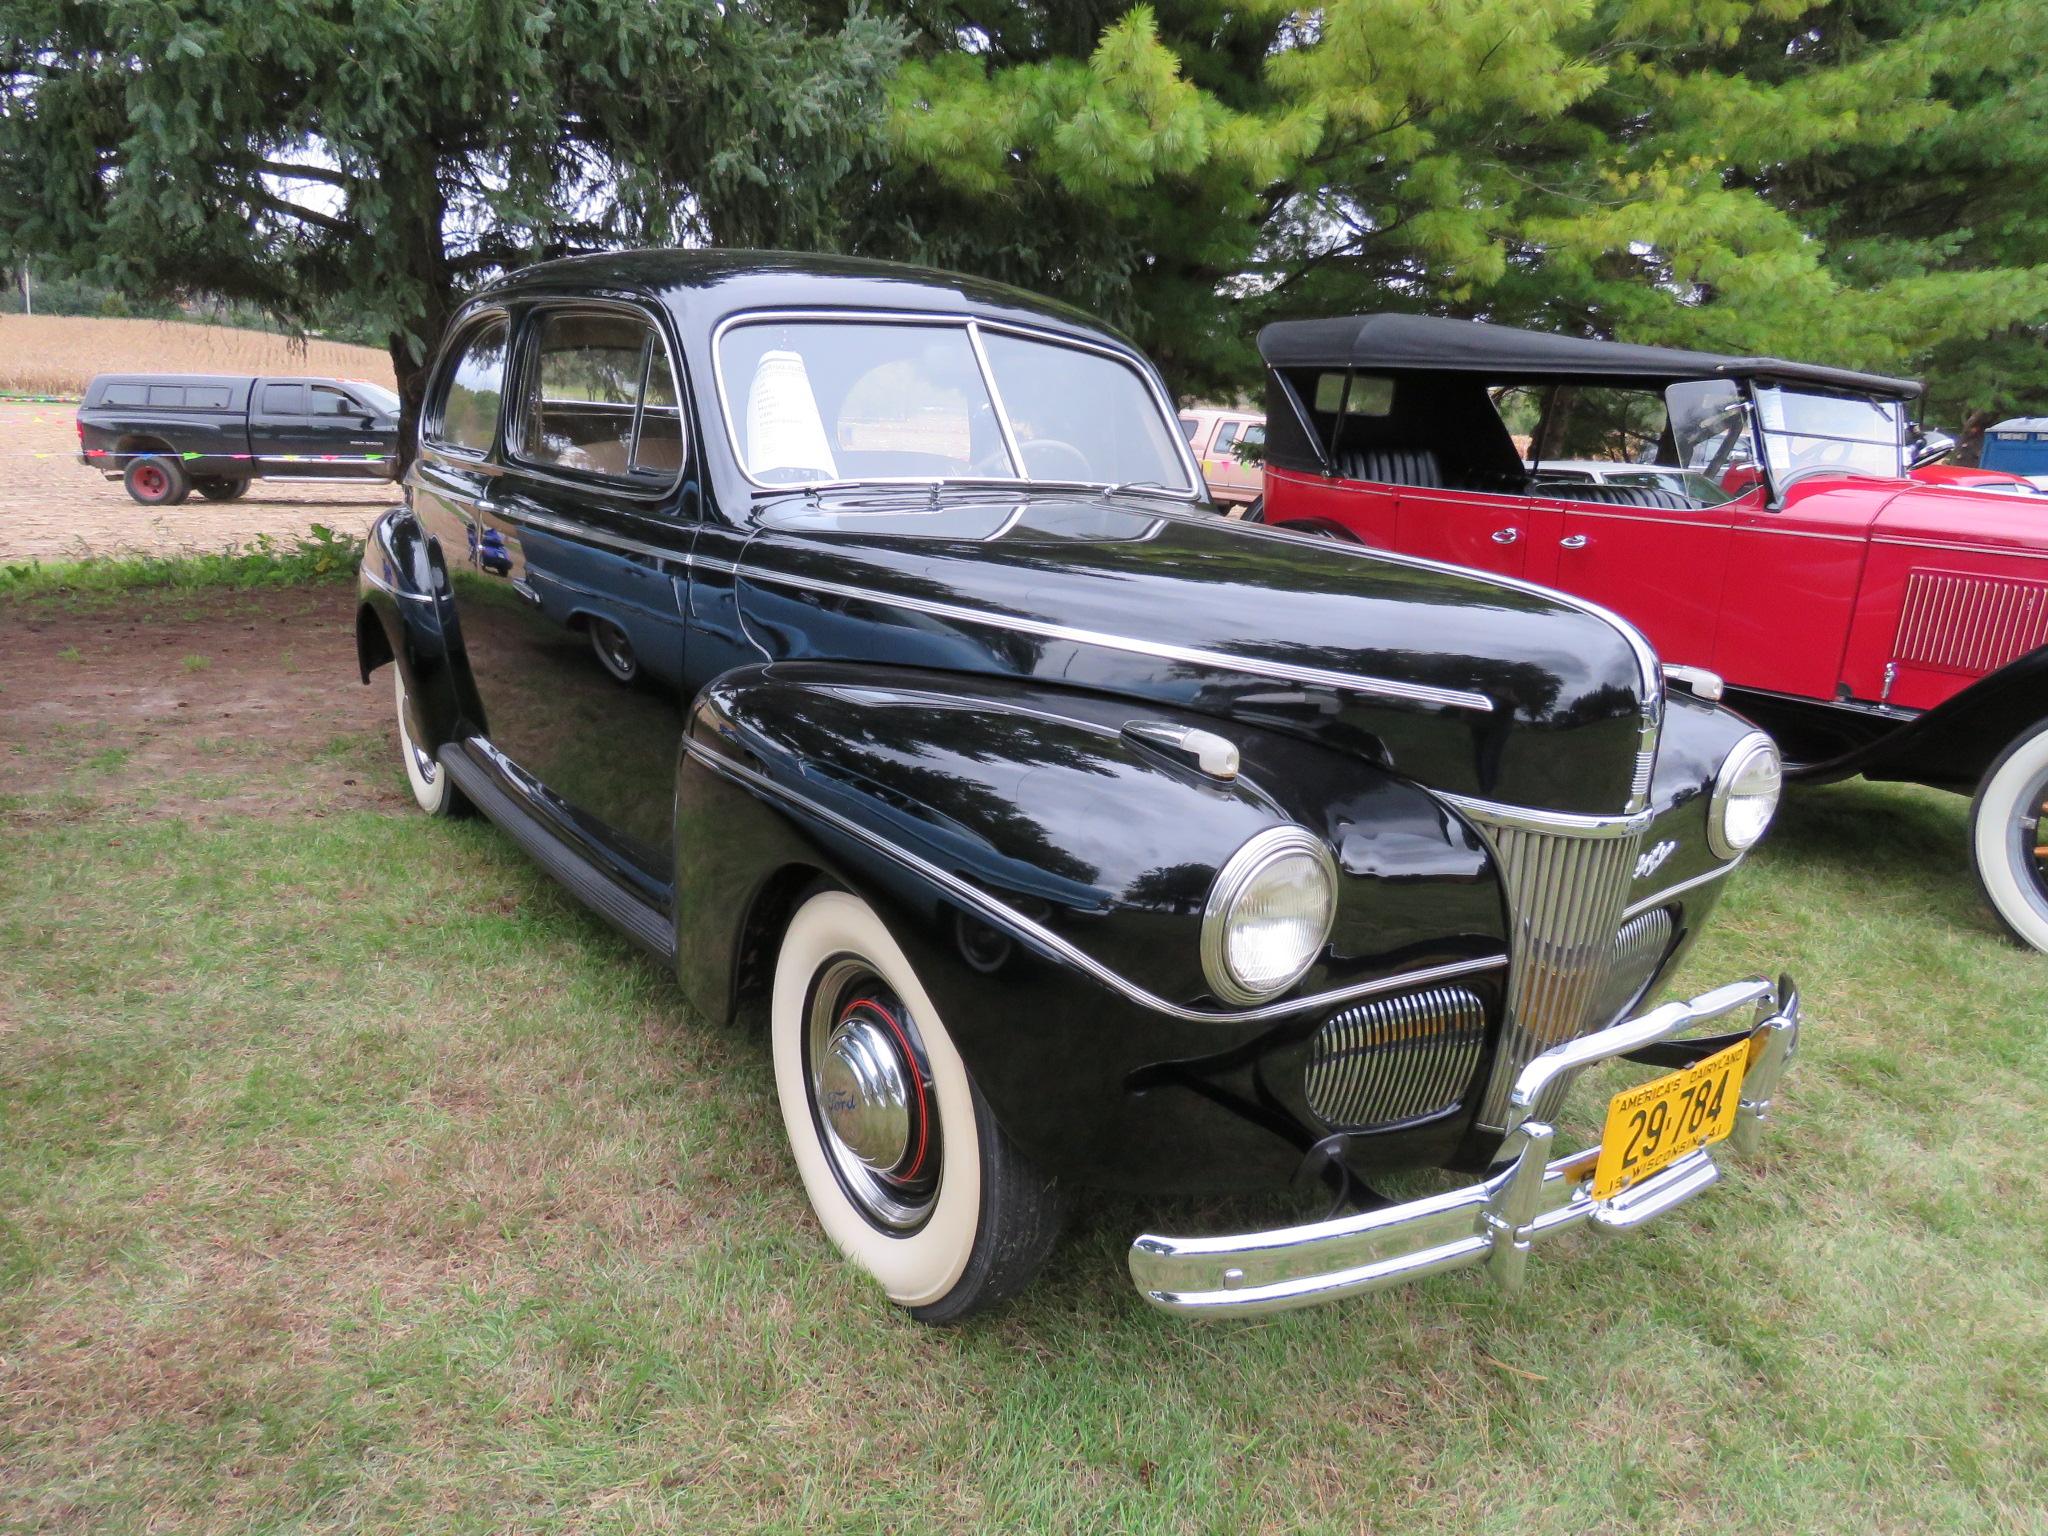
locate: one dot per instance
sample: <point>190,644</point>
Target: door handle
<point>1573,541</point>
<point>1506,535</point>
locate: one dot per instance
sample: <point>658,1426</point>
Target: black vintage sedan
<point>863,641</point>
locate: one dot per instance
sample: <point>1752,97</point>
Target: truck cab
<point>166,435</point>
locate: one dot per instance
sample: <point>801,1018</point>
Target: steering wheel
<point>1061,453</point>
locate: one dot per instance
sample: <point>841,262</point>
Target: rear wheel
<point>430,784</point>
<point>156,481</point>
<point>221,490</point>
<point>2009,837</point>
<point>909,1173</point>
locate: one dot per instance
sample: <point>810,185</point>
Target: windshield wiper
<point>1152,486</point>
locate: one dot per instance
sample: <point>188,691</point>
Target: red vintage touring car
<point>1769,536</point>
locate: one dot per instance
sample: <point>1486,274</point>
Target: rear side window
<point>1369,394</point>
<point>283,400</point>
<point>166,394</point>
<point>124,394</point>
<point>464,412</point>
<point>208,399</point>
<point>600,399</point>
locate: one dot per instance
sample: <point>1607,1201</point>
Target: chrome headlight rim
<point>1738,762</point>
<point>1238,874</point>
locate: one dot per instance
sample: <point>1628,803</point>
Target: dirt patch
<point>54,508</point>
<point>175,704</point>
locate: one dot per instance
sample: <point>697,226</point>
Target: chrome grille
<point>1565,888</point>
<point>1396,1058</point>
<point>1638,948</point>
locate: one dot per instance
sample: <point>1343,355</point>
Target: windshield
<point>813,401</point>
<point>1805,431</point>
<point>376,395</point>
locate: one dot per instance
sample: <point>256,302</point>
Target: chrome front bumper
<point>1497,1221</point>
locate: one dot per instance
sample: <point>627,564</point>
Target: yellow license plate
<point>1651,1127</point>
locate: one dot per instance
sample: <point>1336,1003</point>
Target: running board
<point>639,921</point>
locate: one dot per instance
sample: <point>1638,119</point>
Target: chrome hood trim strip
<point>1314,677</point>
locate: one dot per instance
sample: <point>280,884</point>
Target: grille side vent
<point>1970,624</point>
<point>1396,1059</point>
<point>1638,950</point>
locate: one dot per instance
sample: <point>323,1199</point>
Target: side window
<point>1225,436</point>
<point>1189,427</point>
<point>600,399</point>
<point>464,411</point>
<point>124,394</point>
<point>328,401</point>
<point>166,394</point>
<point>283,400</point>
<point>1370,395</point>
<point>208,399</point>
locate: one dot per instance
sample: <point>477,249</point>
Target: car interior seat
<point>1614,495</point>
<point>1391,466</point>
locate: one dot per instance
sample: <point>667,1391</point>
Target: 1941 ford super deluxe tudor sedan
<point>862,640</point>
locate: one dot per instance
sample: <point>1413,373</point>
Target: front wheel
<point>2009,837</point>
<point>221,489</point>
<point>909,1173</point>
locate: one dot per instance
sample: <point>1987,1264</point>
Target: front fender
<point>1952,745</point>
<point>1047,873</point>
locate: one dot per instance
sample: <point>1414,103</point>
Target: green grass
<point>353,1179</point>
<point>269,562</point>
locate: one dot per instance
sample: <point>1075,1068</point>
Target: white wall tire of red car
<point>2011,793</point>
<point>994,1216</point>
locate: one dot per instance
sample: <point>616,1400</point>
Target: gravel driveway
<point>52,507</point>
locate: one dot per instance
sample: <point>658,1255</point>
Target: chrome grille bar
<point>1567,879</point>
<point>1396,1058</point>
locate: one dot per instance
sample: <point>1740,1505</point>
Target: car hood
<point>1468,684</point>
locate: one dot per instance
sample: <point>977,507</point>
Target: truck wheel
<point>431,786</point>
<point>221,490</point>
<point>909,1173</point>
<point>2009,837</point>
<point>156,481</point>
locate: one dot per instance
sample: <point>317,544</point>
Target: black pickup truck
<point>166,435</point>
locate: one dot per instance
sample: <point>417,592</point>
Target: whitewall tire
<point>430,785</point>
<point>906,1168</point>
<point>2009,837</point>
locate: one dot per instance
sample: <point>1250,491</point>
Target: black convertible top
<point>1427,344</point>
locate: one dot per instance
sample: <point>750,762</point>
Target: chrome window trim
<point>438,384</point>
<point>972,324</point>
<point>1317,677</point>
<point>514,427</point>
<point>1044,938</point>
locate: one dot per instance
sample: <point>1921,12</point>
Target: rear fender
<point>402,618</point>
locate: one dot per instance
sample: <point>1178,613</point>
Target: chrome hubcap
<point>871,1093</point>
<point>864,1094</point>
<point>2031,852</point>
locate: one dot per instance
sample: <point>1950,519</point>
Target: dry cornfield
<point>58,354</point>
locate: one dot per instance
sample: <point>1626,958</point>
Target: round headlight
<point>1745,795</point>
<point>1268,914</point>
